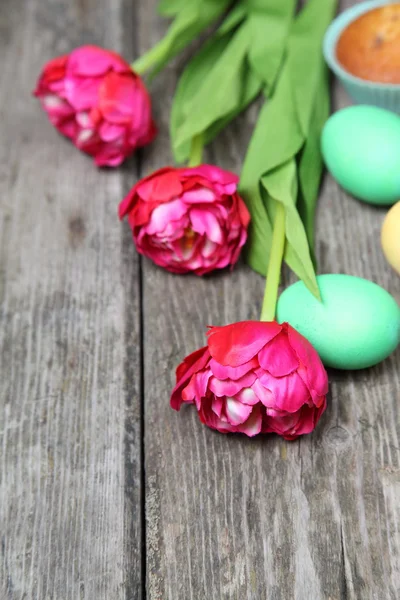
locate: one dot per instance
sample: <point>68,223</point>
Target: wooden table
<point>106,493</point>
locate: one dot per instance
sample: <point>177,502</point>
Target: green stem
<point>274,266</point>
<point>150,59</point>
<point>196,150</point>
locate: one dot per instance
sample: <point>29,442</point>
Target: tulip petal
<point>118,98</point>
<point>290,392</point>
<point>191,364</point>
<point>263,394</point>
<point>291,426</point>
<point>205,223</point>
<point>217,404</point>
<point>189,392</point>
<point>82,93</point>
<point>107,157</point>
<point>238,343</point>
<point>53,72</point>
<point>253,424</point>
<point>243,211</point>
<point>68,127</point>
<point>315,374</point>
<point>209,248</point>
<point>230,387</point>
<point>110,133</point>
<point>227,372</point>
<point>212,173</point>
<point>162,186</point>
<point>88,85</point>
<point>56,106</point>
<point>83,119</point>
<point>163,214</point>
<point>93,61</point>
<point>198,239</point>
<point>201,195</point>
<point>247,396</point>
<point>237,412</point>
<point>201,382</point>
<point>281,424</point>
<point>277,357</point>
<point>126,204</point>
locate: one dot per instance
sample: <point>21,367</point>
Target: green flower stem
<point>196,150</point>
<point>150,59</point>
<point>274,266</point>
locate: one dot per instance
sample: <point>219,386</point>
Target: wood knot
<point>337,436</point>
<point>76,231</point>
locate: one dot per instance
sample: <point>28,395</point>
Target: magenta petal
<point>161,186</point>
<point>238,343</point>
<point>82,94</point>
<point>317,378</point>
<point>209,249</point>
<point>277,357</point>
<point>229,387</point>
<point>92,61</point>
<point>263,394</point>
<point>281,424</point>
<point>68,127</point>
<point>212,173</point>
<point>306,422</point>
<point>199,196</point>
<point>197,387</point>
<point>125,205</point>
<point>192,364</point>
<point>290,426</point>
<point>227,372</point>
<point>229,188</point>
<point>109,155</point>
<point>216,405</point>
<point>163,214</point>
<point>205,223</point>
<point>57,106</point>
<point>201,382</point>
<point>247,396</point>
<point>84,120</point>
<point>189,392</point>
<point>253,424</point>
<point>290,392</point>
<point>221,426</point>
<point>122,99</point>
<point>236,412</point>
<point>110,133</point>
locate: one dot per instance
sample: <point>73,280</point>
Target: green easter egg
<point>361,149</point>
<point>356,325</point>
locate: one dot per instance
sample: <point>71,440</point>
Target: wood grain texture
<point>233,518</point>
<point>226,517</point>
<point>70,517</point>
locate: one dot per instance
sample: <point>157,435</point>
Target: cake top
<point>369,47</point>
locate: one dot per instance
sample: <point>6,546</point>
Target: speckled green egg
<point>356,325</point>
<point>361,149</point>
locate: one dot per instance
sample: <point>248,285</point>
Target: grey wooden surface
<point>106,493</point>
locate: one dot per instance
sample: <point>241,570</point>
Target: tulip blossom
<point>93,97</point>
<point>254,377</point>
<point>188,219</point>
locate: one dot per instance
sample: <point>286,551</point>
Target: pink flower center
<point>188,239</point>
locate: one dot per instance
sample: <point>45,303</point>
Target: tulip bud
<point>93,97</point>
<point>188,219</point>
<point>254,377</point>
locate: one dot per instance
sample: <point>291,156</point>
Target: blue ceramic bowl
<point>385,95</point>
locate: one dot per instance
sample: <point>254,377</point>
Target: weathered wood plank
<point>233,518</point>
<point>70,518</point>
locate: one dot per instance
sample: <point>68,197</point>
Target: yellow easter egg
<point>390,237</point>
